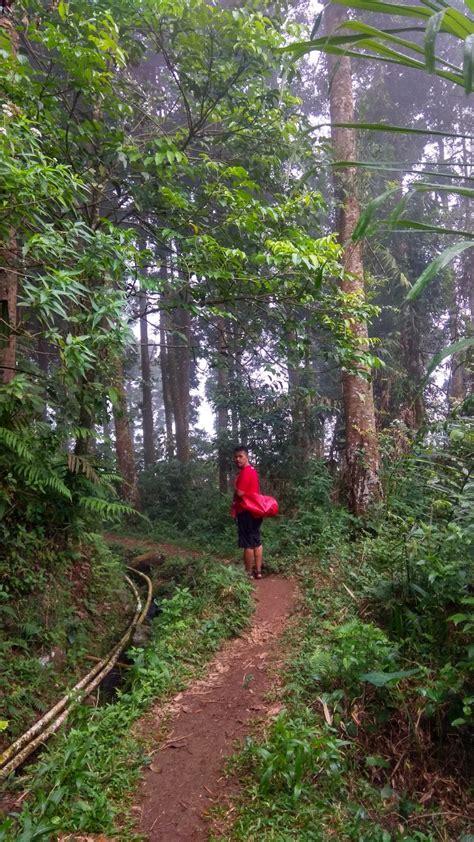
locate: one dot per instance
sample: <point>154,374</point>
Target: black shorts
<point>249,530</point>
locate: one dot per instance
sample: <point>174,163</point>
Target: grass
<point>84,780</point>
<point>325,768</point>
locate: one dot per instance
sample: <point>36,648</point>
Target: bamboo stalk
<point>15,754</point>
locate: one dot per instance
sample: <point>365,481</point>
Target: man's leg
<point>248,560</point>
<point>258,555</point>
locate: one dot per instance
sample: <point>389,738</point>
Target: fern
<point>41,480</point>
<point>78,464</point>
<point>16,442</point>
<point>106,509</point>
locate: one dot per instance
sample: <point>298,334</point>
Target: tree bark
<point>234,382</point>
<point>362,455</point>
<point>8,315</point>
<point>85,445</point>
<point>147,403</point>
<point>179,367</point>
<point>124,442</point>
<point>222,415</point>
<point>166,384</point>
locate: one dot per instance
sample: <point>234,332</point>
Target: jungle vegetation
<point>250,223</point>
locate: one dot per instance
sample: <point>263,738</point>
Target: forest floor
<point>206,722</point>
<point>251,748</point>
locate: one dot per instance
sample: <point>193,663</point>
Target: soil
<point>207,722</point>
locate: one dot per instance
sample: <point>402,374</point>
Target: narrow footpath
<point>206,722</point>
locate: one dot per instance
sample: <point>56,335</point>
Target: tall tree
<point>124,441</point>
<point>222,414</point>
<point>362,454</point>
<point>147,403</point>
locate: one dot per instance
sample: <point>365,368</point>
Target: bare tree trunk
<point>461,378</point>
<point>179,367</point>
<point>222,405</point>
<point>362,455</point>
<point>457,375</point>
<point>299,379</point>
<point>147,405</point>
<point>166,384</point>
<point>124,442</point>
<point>413,414</point>
<point>234,383</point>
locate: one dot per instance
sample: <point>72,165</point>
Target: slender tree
<point>222,413</point>
<point>147,402</point>
<point>124,442</point>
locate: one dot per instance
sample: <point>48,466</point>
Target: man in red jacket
<point>247,482</point>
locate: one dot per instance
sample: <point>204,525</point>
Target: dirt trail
<point>186,776</point>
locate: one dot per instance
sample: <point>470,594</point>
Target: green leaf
<point>390,166</point>
<point>374,760</point>
<point>63,9</point>
<point>432,29</point>
<point>429,186</point>
<point>455,348</point>
<point>468,64</point>
<point>410,225</point>
<point>436,266</point>
<point>458,618</point>
<point>366,216</point>
<point>113,395</point>
<point>386,127</point>
<point>380,679</point>
<point>386,8</point>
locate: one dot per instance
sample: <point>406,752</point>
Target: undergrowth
<point>82,781</point>
<point>328,767</point>
<point>55,609</point>
<point>375,738</point>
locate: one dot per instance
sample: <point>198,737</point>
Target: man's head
<point>241,456</point>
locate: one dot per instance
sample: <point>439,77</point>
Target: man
<point>248,527</point>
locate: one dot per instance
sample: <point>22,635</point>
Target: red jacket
<point>248,482</point>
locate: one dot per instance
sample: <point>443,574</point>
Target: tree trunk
<point>147,404</point>
<point>166,384</point>
<point>8,297</point>
<point>179,367</point>
<point>461,379</point>
<point>362,455</point>
<point>222,405</point>
<point>234,382</point>
<point>124,442</point>
<point>85,444</point>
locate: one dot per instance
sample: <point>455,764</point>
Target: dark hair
<point>241,447</point>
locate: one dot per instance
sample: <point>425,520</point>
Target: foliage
<point>379,44</point>
<point>82,780</point>
<point>55,608</point>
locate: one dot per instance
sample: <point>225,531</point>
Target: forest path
<point>164,548</point>
<point>204,723</point>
